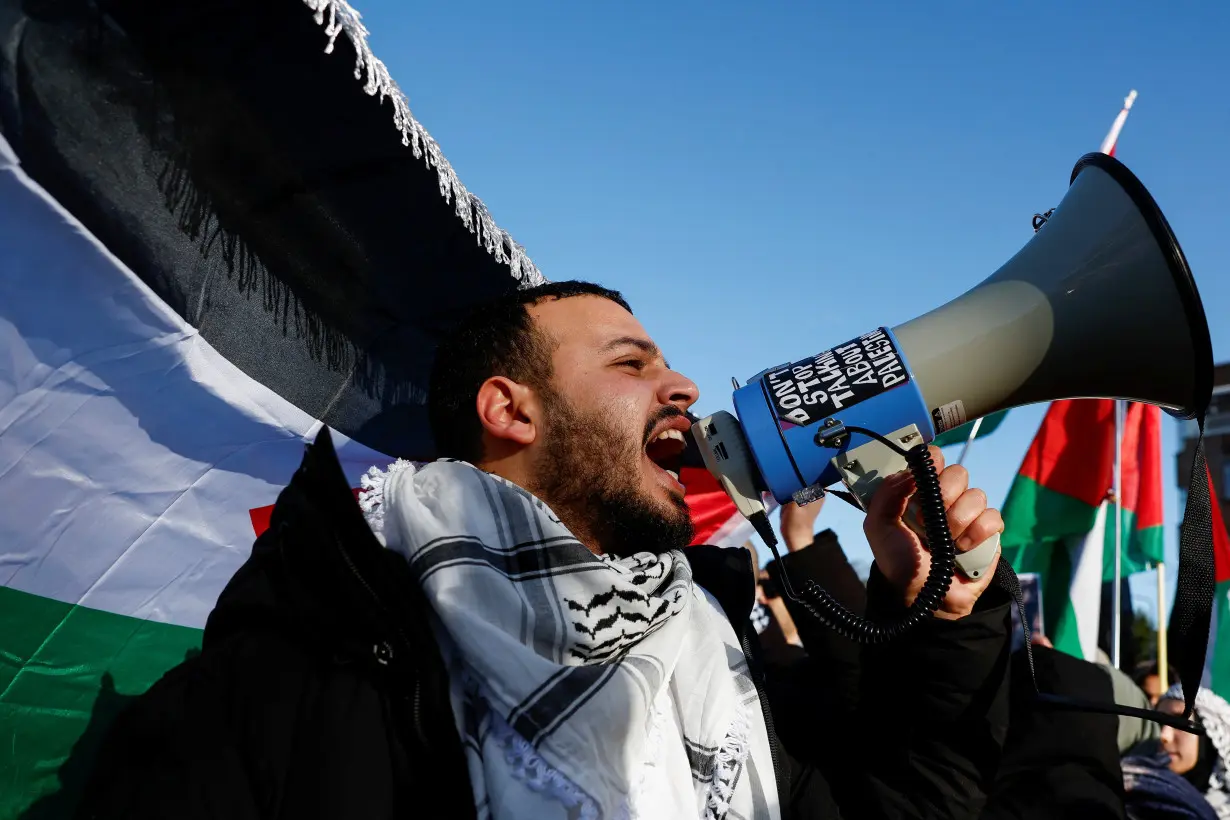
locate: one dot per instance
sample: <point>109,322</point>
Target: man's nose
<point>678,390</point>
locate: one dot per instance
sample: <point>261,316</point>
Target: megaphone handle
<point>864,468</point>
<point>821,604</point>
<point>729,458</point>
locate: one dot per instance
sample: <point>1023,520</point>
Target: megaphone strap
<point>1188,633</point>
<point>1078,705</point>
<point>1006,579</point>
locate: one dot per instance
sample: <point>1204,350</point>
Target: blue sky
<point>732,166</point>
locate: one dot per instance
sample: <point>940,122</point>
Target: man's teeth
<point>671,433</point>
<point>673,474</point>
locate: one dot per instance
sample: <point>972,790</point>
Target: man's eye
<point>637,364</point>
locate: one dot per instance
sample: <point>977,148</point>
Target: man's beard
<point>591,477</point>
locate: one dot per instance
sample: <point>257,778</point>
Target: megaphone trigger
<point>975,563</point>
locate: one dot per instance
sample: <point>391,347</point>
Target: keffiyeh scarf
<point>1214,714</point>
<point>583,686</point>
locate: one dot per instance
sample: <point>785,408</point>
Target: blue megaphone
<point>1100,303</point>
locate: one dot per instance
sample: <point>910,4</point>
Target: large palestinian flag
<point>1059,516</point>
<point>220,229</point>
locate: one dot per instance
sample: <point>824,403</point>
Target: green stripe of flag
<point>1036,517</point>
<point>65,669</point>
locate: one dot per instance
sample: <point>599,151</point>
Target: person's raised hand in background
<point>799,524</point>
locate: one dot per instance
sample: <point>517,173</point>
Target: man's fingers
<point>964,510</point>
<point>953,482</point>
<point>987,524</point>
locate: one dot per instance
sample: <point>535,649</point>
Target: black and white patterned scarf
<point>583,686</point>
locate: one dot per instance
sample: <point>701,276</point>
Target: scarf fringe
<point>642,796</point>
<point>537,774</point>
<point>371,493</point>
<point>730,759</point>
<point>338,17</point>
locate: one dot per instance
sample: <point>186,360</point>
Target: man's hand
<point>899,553</point>
<point>799,524</point>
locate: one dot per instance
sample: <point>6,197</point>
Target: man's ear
<point>508,410</point>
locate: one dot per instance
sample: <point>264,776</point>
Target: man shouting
<point>519,630</point>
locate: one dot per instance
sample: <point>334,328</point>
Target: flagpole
<point>1108,144</point>
<point>1163,662</point>
<point>1108,147</point>
<point>1116,626</point>
<point>973,433</point>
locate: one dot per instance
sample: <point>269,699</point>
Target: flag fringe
<point>338,17</point>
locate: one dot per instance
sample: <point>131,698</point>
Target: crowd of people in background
<point>1055,764</point>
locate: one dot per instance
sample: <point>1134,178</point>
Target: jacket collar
<point>728,575</point>
<point>319,572</point>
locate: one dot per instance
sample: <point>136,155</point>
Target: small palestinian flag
<point>1059,514</point>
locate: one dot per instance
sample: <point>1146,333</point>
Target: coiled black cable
<point>829,611</point>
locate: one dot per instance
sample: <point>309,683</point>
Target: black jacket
<point>1058,764</point>
<point>320,693</point>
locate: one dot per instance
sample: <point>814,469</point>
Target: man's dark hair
<point>497,339</point>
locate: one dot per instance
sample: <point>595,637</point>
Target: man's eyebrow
<point>645,345</point>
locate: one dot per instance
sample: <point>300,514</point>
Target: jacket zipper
<point>774,746</point>
<point>405,641</point>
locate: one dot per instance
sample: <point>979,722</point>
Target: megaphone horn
<point>1100,303</point>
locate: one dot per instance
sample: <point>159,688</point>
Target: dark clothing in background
<point>832,658</point>
<point>320,693</point>
<point>833,672</point>
<point>1057,763</point>
<point>775,650</point>
<point>1154,792</point>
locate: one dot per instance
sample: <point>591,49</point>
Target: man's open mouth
<point>665,450</point>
